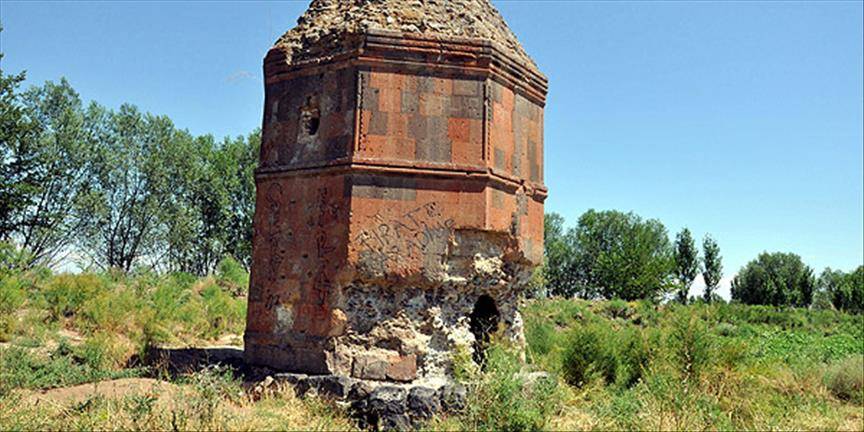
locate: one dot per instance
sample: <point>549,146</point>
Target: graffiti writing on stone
<point>421,233</point>
<point>324,214</point>
<point>275,232</point>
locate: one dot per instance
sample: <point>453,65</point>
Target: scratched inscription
<point>417,234</point>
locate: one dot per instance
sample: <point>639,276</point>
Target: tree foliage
<point>18,175</point>
<point>844,290</point>
<point>48,227</point>
<point>686,263</point>
<point>559,274</point>
<point>620,255</point>
<point>712,270</point>
<point>608,254</point>
<point>119,188</point>
<point>778,279</point>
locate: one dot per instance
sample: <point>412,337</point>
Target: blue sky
<point>742,119</point>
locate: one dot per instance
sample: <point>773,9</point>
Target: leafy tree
<point>127,195</point>
<point>193,218</point>
<point>779,279</point>
<point>844,290</point>
<point>48,227</point>
<point>686,263</point>
<point>18,159</point>
<point>212,200</point>
<point>713,267</point>
<point>558,265</point>
<point>620,255</point>
<point>237,163</point>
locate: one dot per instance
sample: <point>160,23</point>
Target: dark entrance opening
<point>484,321</point>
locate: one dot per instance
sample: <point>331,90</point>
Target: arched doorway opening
<point>484,322</point>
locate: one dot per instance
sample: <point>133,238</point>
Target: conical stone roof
<point>325,23</point>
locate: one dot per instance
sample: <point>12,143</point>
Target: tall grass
<point>114,317</point>
<point>502,396</point>
<point>640,366</point>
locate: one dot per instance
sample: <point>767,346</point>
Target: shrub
<point>845,379</point>
<point>618,309</point>
<point>501,399</point>
<point>12,297</point>
<point>726,329</point>
<point>690,344</point>
<point>586,356</point>
<point>633,356</point>
<point>105,351</point>
<point>112,311</point>
<point>19,368</point>
<point>66,293</point>
<point>540,337</point>
<point>212,386</point>
<point>231,275</point>
<point>619,356</point>
<point>224,313</point>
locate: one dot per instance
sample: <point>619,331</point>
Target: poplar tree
<point>686,263</point>
<point>713,267</point>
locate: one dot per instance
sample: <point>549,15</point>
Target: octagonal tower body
<point>400,196</point>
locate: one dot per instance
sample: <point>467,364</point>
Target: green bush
<point>540,337</point>
<point>618,309</point>
<point>113,311</point>
<point>212,385</point>
<point>500,398</point>
<point>67,293</point>
<point>845,379</point>
<point>12,297</point>
<point>224,313</point>
<point>231,275</point>
<point>690,344</point>
<point>618,356</point>
<point>20,368</point>
<point>633,355</point>
<point>588,356</point>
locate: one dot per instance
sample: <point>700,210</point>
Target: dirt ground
<point>111,389</point>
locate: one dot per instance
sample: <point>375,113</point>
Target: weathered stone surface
<point>326,385</point>
<point>453,397</point>
<point>375,404</point>
<point>289,378</point>
<point>402,368</point>
<point>423,402</point>
<point>370,366</point>
<point>388,404</point>
<point>328,21</point>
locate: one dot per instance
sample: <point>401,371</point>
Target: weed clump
<point>598,350</point>
<point>845,379</point>
<point>501,396</point>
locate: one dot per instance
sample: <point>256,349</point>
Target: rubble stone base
<point>381,405</point>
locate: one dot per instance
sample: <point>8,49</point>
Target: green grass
<point>721,366</point>
<point>22,369</point>
<point>613,364</point>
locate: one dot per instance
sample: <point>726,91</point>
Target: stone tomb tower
<point>400,192</point>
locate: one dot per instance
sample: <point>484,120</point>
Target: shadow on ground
<point>183,361</point>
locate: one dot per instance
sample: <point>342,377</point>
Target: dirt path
<point>112,389</point>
